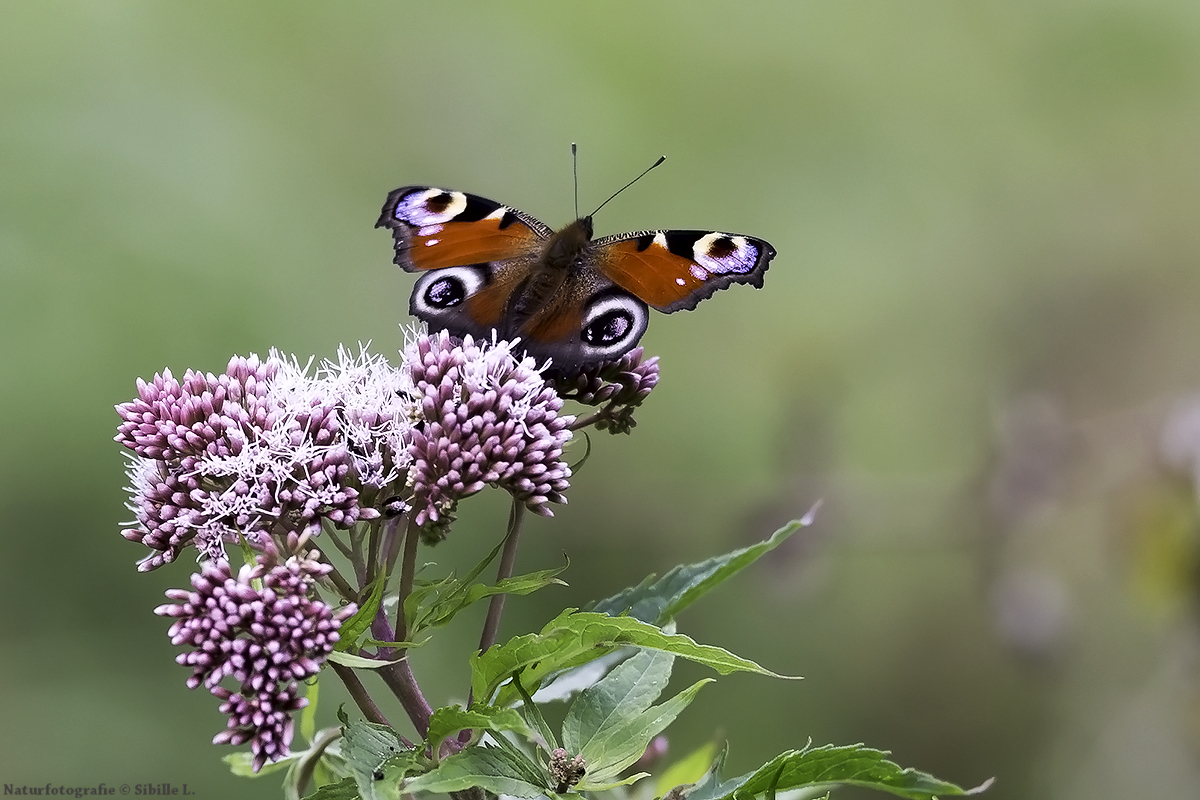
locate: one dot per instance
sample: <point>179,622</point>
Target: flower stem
<point>356,555</point>
<point>359,694</point>
<point>342,547</point>
<point>399,678</point>
<point>343,587</point>
<point>408,568</point>
<point>508,560</point>
<point>391,541</point>
<point>372,553</point>
<point>591,419</point>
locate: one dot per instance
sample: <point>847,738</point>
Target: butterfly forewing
<point>675,270</point>
<point>435,228</point>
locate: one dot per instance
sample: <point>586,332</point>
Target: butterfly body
<point>570,298</point>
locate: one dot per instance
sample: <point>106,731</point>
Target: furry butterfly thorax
<point>487,269</point>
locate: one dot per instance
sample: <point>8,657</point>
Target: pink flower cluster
<point>268,640</point>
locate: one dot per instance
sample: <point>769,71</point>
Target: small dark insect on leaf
<point>377,775</point>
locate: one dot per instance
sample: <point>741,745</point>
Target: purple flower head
<point>267,639</point>
<point>485,418</point>
<point>617,387</point>
<point>263,448</point>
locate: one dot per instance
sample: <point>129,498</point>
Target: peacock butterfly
<point>570,298</point>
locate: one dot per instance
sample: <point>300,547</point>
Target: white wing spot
<point>741,259</point>
<point>429,230</point>
<point>681,281</point>
<point>432,242</point>
<point>660,239</point>
<point>698,272</point>
<point>498,213</point>
<point>415,208</point>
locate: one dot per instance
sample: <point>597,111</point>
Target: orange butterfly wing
<point>675,270</point>
<point>435,228</point>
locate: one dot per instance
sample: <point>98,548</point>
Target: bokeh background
<point>977,344</point>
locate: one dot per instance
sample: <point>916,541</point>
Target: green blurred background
<point>984,306</point>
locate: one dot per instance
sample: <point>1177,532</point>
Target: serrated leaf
<point>443,611</point>
<point>852,765</point>
<point>687,770</point>
<point>376,758</point>
<point>345,789</point>
<point>358,624</point>
<point>617,739</point>
<point>656,601</point>
<point>442,589</point>
<point>625,694</point>
<point>568,683</point>
<point>575,637</point>
<point>497,770</point>
<point>449,720</point>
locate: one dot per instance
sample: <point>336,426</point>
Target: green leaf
<point>534,715</point>
<point>376,758</point>
<point>567,683</point>
<point>345,789</point>
<point>443,589</point>
<point>308,716</point>
<point>600,787</point>
<point>358,662</point>
<point>656,601</point>
<point>575,637</point>
<point>852,765</point>
<point>358,624</point>
<point>401,645</point>
<point>688,770</point>
<point>500,771</point>
<point>242,764</point>
<point>317,763</point>
<point>611,724</point>
<point>443,611</point>
<point>449,720</point>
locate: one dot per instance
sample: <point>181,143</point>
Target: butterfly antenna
<point>575,172</point>
<point>626,186</point>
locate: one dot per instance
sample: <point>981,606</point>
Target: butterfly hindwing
<point>468,299</point>
<point>588,320</point>
<point>675,270</point>
<point>435,228</point>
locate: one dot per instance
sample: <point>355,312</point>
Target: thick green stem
<point>508,560</point>
<point>408,569</point>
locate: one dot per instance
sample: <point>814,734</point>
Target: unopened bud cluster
<point>268,639</point>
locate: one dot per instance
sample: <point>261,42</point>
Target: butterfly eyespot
<point>444,289</point>
<point>445,293</point>
<point>613,325</point>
